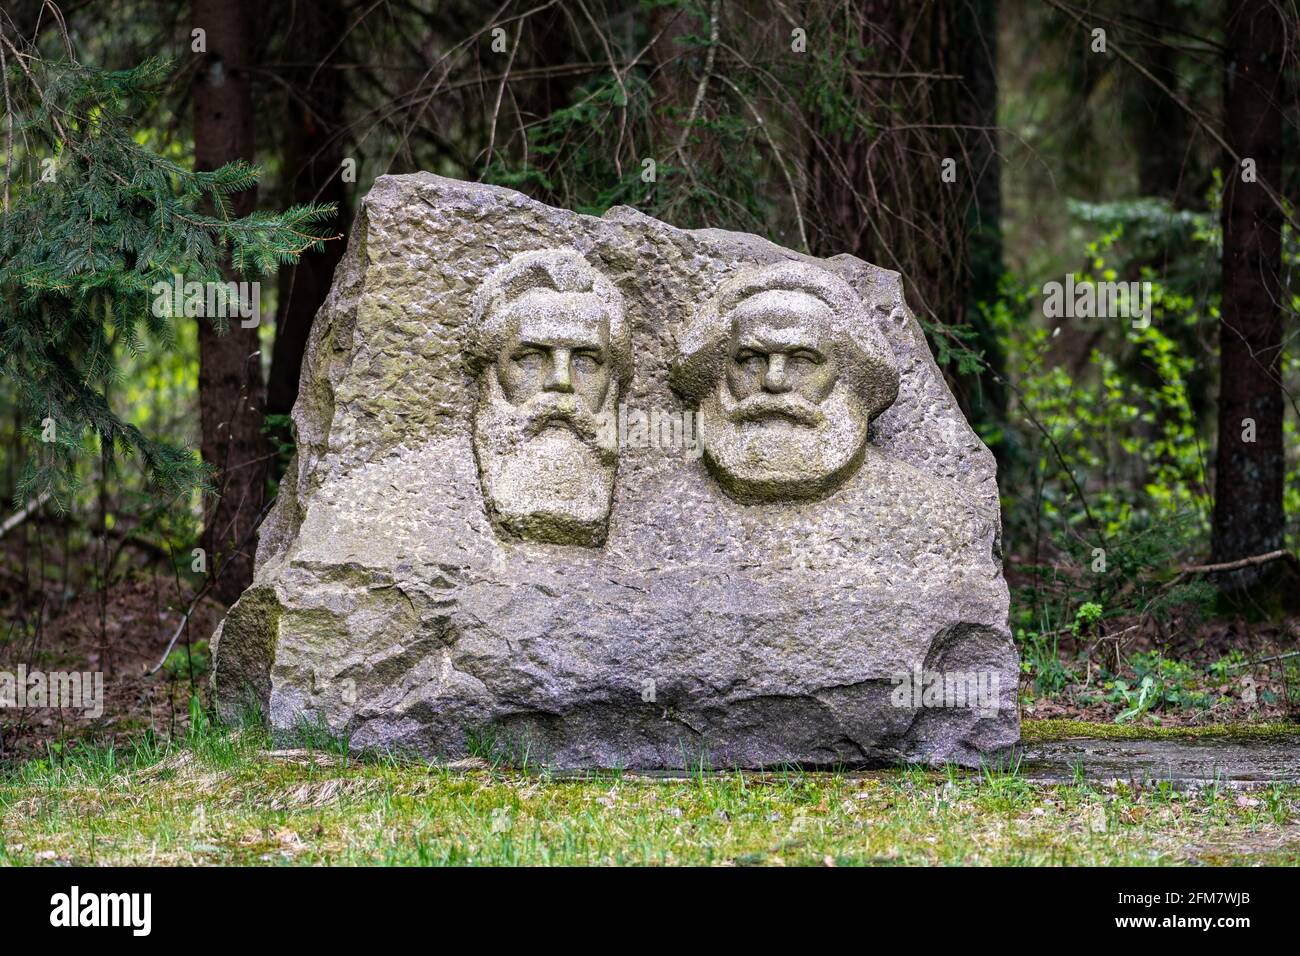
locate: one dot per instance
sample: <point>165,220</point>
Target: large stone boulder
<point>600,492</point>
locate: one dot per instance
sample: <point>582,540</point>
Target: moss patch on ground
<point>226,799</point>
<point>1037,731</point>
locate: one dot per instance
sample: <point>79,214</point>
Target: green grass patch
<point>226,798</point>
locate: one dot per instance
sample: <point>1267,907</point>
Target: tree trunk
<point>1154,119</point>
<point>876,178</point>
<point>670,57</point>
<point>1250,468</point>
<point>985,395</point>
<point>313,156</point>
<point>230,371</point>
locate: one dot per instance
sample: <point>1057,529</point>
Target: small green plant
<point>186,662</point>
<point>1079,773</point>
<point>1040,656</point>
<point>1087,618</point>
<point>1140,700</point>
<point>1175,681</point>
<point>1228,666</point>
<point>1277,805</point>
<point>1162,684</point>
<point>1291,683</point>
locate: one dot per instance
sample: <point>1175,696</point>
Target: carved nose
<point>774,379</point>
<point>560,378</point>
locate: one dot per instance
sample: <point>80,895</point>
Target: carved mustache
<point>761,407</point>
<point>542,411</point>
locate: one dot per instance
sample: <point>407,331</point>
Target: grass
<point>226,798</point>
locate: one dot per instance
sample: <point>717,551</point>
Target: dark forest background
<point>1150,476</point>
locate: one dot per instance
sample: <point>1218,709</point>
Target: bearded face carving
<point>788,373</point>
<point>552,354</point>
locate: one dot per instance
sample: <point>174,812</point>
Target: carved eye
<point>527,360</point>
<point>751,361</point>
<point>803,359</point>
<point>587,362</point>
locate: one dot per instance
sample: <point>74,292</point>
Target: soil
<point>139,616</point>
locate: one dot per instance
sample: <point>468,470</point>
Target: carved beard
<point>804,453</point>
<point>546,475</point>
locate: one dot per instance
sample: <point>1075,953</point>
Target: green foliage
<point>582,156</point>
<point>1137,557</point>
<point>1104,452</point>
<point>1086,618</point>
<point>1130,443</point>
<point>570,155</point>
<point>1114,444</point>
<point>952,345</point>
<point>1185,242</point>
<point>94,219</point>
<point>717,135</point>
<point>1227,666</point>
<point>1040,657</point>
<point>1162,684</point>
<point>1118,443</point>
<point>185,663</point>
<point>1191,601</point>
<point>1105,443</point>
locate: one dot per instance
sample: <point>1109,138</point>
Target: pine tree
<point>92,222</point>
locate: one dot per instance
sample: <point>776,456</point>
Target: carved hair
<point>555,270</point>
<point>866,361</point>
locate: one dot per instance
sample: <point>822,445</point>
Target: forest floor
<point>139,617</point>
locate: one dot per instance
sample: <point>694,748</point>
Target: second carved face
<point>788,374</point>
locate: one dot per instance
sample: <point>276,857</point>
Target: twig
<point>9,135</point>
<point>704,80</point>
<point>19,517</point>
<point>776,153</point>
<point>1265,660</point>
<point>1280,554</point>
<point>496,110</point>
<point>1060,457</point>
<point>1101,637</point>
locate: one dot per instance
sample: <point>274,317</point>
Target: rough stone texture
<point>387,605</point>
